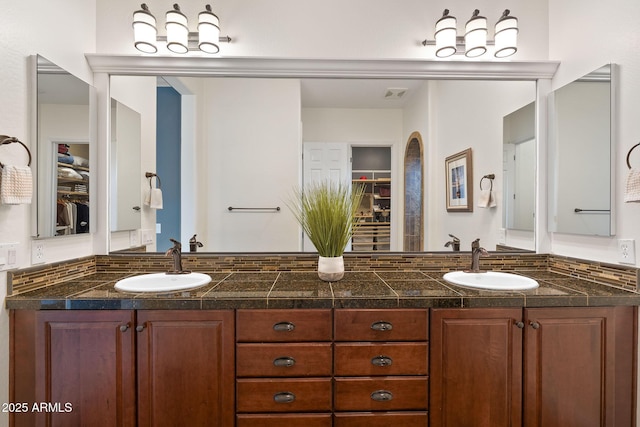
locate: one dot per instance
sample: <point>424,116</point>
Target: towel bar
<point>4,139</point>
<point>276,209</point>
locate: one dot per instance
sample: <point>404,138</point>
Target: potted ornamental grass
<point>327,211</point>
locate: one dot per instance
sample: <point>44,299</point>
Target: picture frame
<point>459,182</point>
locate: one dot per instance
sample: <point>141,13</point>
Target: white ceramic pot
<point>330,269</point>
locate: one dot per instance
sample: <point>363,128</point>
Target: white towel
<point>16,185</point>
<point>155,201</point>
<point>632,191</point>
<point>486,199</point>
<point>147,197</point>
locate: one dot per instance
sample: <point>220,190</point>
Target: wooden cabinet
<point>284,367</point>
<point>87,359</point>
<point>534,367</point>
<point>185,368</point>
<point>81,362</point>
<point>380,366</point>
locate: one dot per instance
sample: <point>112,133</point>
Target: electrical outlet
<point>627,251</point>
<point>133,238</point>
<point>37,253</point>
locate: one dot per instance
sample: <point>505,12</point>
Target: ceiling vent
<point>395,92</point>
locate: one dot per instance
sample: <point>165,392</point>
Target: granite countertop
<point>380,289</point>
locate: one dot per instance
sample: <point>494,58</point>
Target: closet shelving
<point>374,215</point>
<point>73,194</point>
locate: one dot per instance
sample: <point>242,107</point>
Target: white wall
<point>329,29</point>
<point>616,40</point>
<point>251,130</point>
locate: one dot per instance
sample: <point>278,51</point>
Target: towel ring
<point>4,139</point>
<point>150,176</point>
<point>629,154</point>
<point>490,177</point>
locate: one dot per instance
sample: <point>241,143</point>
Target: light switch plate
<point>8,255</point>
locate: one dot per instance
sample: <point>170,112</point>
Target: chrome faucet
<point>176,253</point>
<point>476,253</point>
<point>454,243</point>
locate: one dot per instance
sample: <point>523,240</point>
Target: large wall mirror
<point>242,142</point>
<point>65,125</point>
<point>580,155</point>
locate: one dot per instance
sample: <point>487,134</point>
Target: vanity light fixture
<point>178,37</point>
<point>506,35</point>
<point>144,30</point>
<point>445,35</point>
<point>475,35</point>
<point>474,43</point>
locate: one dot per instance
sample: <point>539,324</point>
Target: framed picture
<point>459,170</point>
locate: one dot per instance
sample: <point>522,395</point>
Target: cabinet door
<point>476,367</point>
<point>186,368</point>
<point>578,366</point>
<point>76,367</point>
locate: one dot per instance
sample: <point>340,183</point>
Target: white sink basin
<point>494,280</point>
<point>162,282</point>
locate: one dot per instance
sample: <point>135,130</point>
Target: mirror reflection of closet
<point>72,202</point>
<point>64,125</point>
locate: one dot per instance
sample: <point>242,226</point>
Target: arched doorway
<point>413,234</point>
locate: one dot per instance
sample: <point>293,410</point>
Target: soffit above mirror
<point>313,68</point>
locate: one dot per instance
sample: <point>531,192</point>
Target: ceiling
<point>357,93</point>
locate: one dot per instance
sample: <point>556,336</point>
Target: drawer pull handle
<point>381,326</point>
<point>284,362</point>
<point>381,361</point>
<point>381,396</point>
<point>284,327</point>
<point>284,397</point>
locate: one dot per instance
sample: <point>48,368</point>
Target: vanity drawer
<point>381,325</point>
<point>381,394</point>
<point>364,359</point>
<point>284,360</point>
<point>382,419</point>
<point>283,325</point>
<point>282,420</point>
<point>276,395</point>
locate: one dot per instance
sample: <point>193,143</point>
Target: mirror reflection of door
<point>413,195</point>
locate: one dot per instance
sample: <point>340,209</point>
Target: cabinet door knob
<point>284,362</point>
<point>284,327</point>
<point>140,328</point>
<point>284,397</point>
<point>381,396</point>
<point>520,324</point>
<point>534,325</point>
<point>123,328</point>
<point>381,326</point>
<point>381,361</point>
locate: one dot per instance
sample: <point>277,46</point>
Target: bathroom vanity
<point>378,348</point>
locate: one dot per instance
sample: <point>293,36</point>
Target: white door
<point>324,161</point>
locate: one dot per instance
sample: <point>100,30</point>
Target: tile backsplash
<point>25,280</point>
